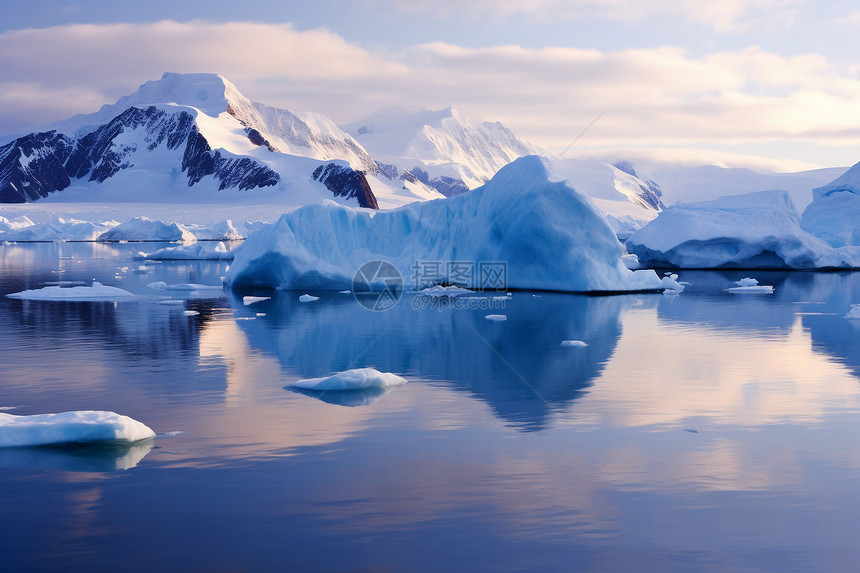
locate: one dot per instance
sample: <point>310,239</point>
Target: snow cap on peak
<point>210,93</point>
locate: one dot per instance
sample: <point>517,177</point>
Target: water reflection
<point>518,367</point>
<point>77,457</point>
<point>349,398</point>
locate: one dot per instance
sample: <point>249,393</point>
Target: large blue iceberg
<point>549,236</point>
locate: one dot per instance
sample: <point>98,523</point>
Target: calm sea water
<point>703,432</point>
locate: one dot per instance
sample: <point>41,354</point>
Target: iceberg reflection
<point>101,458</point>
<point>518,367</point>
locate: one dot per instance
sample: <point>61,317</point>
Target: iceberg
<point>496,317</point>
<point>145,229</point>
<point>308,298</point>
<point>216,251</point>
<point>574,343</point>
<point>834,214</point>
<point>22,229</point>
<point>854,312</point>
<point>547,235</point>
<point>753,230</point>
<point>355,379</point>
<point>94,293</point>
<point>82,426</point>
<point>750,286</point>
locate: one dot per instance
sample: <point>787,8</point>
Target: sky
<point>777,80</point>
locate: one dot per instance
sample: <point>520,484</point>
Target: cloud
<point>722,17</point>
<point>657,96</point>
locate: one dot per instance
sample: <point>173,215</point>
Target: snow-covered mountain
<point>441,148</point>
<point>627,200</point>
<point>195,136</point>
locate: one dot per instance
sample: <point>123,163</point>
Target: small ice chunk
<point>440,291</point>
<point>573,343</point>
<point>344,291</point>
<point>246,300</point>
<point>496,317</point>
<point>171,301</point>
<point>355,379</point>
<point>94,293</point>
<point>761,289</point>
<point>670,283</point>
<point>746,282</point>
<point>70,427</point>
<point>190,313</point>
<point>158,285</point>
<point>308,298</point>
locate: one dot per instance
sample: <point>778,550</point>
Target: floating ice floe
<point>190,313</point>
<point>308,298</point>
<point>246,300</point>
<point>550,237</point>
<point>496,317</point>
<point>754,230</point>
<point>161,285</point>
<point>751,286</point>
<point>196,251</point>
<point>670,283</point>
<point>449,291</point>
<point>145,229</point>
<point>83,426</point>
<point>94,293</point>
<point>355,379</point>
<point>574,343</point>
<point>854,312</point>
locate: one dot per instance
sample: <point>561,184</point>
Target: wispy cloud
<point>722,17</point>
<point>661,96</point>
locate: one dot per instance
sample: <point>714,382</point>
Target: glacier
<point>752,230</point>
<point>81,426</point>
<point>549,236</point>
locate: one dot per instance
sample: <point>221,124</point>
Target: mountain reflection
<point>517,367</point>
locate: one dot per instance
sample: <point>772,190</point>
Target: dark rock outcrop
<point>344,181</point>
<point>32,166</point>
<point>35,165</point>
<point>447,186</point>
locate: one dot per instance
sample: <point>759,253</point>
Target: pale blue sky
<point>772,78</point>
